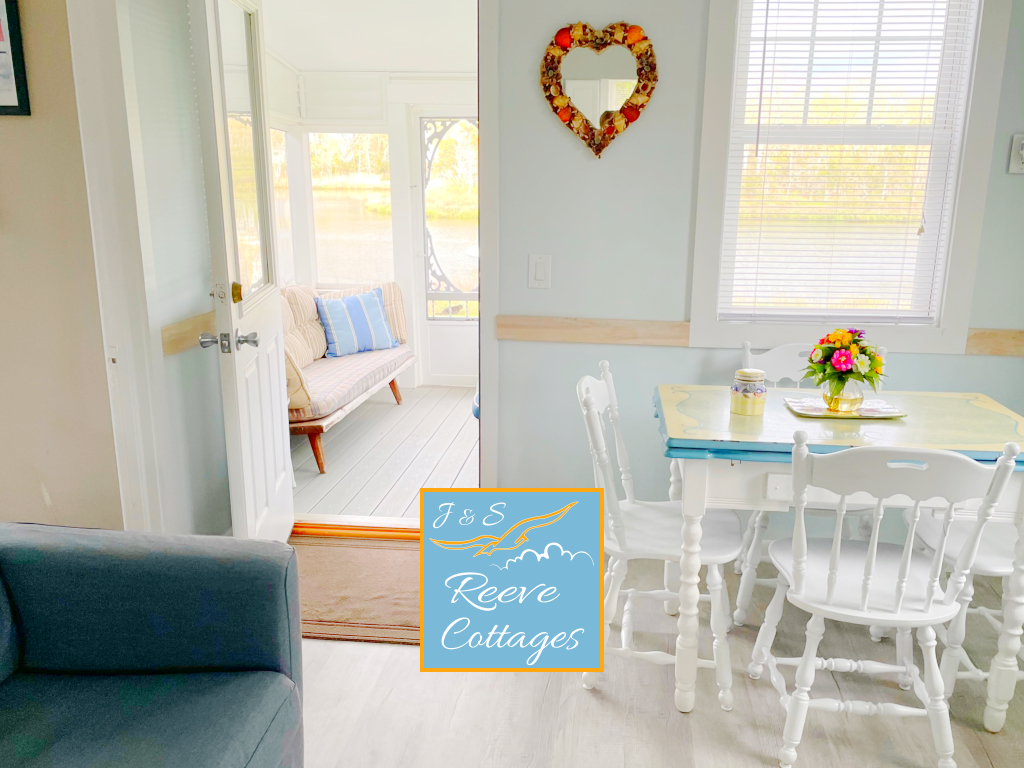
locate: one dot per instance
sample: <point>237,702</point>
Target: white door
<point>246,291</point>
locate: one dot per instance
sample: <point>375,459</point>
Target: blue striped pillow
<point>355,324</point>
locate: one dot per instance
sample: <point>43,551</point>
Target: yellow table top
<point>697,418</point>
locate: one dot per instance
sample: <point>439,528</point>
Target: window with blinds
<point>844,148</point>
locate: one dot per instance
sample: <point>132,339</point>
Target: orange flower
<point>564,114</point>
<point>634,35</point>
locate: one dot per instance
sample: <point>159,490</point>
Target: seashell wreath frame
<point>613,122</point>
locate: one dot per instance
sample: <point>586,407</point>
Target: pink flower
<point>842,360</point>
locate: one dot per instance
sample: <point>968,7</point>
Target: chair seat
<point>845,605</point>
<point>995,553</point>
<point>189,720</point>
<point>654,530</point>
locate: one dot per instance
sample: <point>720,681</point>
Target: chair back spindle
<point>605,477</point>
<point>800,482</point>
<point>605,401</point>
<point>869,562</point>
<point>937,559</point>
<point>894,475</point>
<point>620,444</point>
<point>908,552</point>
<point>837,541</point>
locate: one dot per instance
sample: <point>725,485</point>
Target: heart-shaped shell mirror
<point>588,78</point>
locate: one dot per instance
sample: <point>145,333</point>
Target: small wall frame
<point>13,84</point>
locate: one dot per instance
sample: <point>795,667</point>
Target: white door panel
<point>248,299</point>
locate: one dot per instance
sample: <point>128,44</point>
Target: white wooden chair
<point>867,583</point>
<point>783,363</point>
<point>651,530</point>
<point>996,554</point>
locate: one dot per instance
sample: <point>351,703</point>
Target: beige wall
<point>56,441</point>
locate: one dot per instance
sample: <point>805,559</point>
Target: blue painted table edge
<point>777,453</point>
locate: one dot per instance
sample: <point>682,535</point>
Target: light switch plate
<point>540,271</point>
<point>1017,154</point>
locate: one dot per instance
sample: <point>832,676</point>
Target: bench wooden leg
<point>316,442</point>
<point>395,392</point>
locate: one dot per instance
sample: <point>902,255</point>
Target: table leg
<point>695,484</point>
<point>1002,674</point>
<point>675,482</point>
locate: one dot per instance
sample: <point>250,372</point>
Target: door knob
<point>249,338</point>
<point>207,340</point>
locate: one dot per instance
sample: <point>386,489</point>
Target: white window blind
<point>844,148</point>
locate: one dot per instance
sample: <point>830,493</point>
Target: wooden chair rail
<point>177,337</point>
<point>184,335</point>
<point>676,333</point>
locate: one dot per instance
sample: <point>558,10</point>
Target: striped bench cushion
<point>334,382</point>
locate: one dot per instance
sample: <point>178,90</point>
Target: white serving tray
<point>814,408</point>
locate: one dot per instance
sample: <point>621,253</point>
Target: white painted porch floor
<point>380,456</point>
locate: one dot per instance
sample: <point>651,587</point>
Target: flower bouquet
<point>840,360</point>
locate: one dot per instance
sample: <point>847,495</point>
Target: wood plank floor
<point>368,704</point>
<point>380,456</point>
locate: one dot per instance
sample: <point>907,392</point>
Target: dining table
<point>722,460</point>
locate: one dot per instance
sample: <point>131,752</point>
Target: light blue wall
<point>620,230</point>
<point>998,302</point>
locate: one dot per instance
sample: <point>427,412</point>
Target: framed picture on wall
<point>13,85</point>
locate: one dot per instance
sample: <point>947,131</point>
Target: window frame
<point>949,333</point>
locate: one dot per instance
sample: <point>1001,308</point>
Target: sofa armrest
<point>106,601</point>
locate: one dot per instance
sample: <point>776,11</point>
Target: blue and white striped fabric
<point>355,324</point>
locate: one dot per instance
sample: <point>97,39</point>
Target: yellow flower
<point>878,370</point>
<point>840,337</point>
<point>854,350</point>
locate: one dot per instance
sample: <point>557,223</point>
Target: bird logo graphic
<point>488,545</point>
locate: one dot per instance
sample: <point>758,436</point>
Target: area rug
<point>359,589</point>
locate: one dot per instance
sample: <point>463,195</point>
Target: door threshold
<point>357,527</point>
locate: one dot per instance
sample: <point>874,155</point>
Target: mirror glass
<point>598,82</point>
<point>243,133</point>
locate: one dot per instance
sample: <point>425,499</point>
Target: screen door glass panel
<point>451,206</point>
<point>236,57</point>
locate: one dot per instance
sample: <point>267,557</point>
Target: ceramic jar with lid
<point>748,392</point>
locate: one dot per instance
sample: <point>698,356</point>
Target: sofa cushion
<point>199,720</point>
<point>393,306</point>
<point>336,381</point>
<point>8,637</point>
<point>355,324</point>
<point>304,338</point>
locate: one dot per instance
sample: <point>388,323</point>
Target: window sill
<point>765,335</point>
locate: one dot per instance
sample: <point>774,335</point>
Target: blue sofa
<point>123,649</point>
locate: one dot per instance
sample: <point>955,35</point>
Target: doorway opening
<point>376,187</point>
<point>264,158</point>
